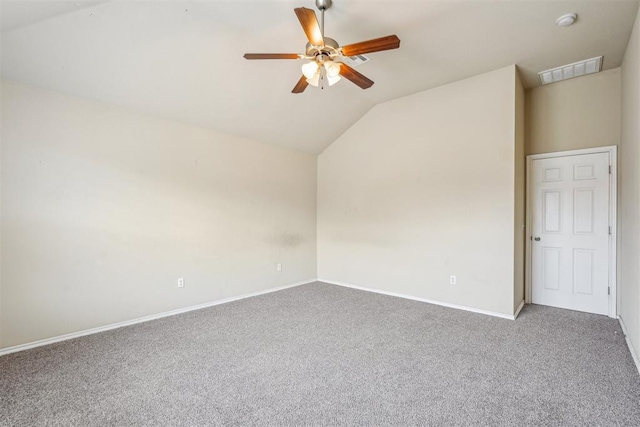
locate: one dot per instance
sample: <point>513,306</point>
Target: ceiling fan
<point>325,55</point>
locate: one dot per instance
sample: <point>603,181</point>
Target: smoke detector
<point>566,20</point>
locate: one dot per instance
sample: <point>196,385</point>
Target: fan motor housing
<point>330,48</point>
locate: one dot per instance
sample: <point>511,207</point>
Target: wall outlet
<point>279,267</point>
<point>452,280</point>
<point>181,282</point>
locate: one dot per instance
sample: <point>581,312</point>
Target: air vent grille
<point>354,61</point>
<point>565,72</point>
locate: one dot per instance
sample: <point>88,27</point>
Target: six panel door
<point>570,247</point>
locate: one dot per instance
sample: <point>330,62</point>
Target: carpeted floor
<point>324,355</point>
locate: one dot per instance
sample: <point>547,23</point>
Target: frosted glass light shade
<point>333,80</point>
<point>310,69</point>
<point>333,69</point>
<point>314,80</point>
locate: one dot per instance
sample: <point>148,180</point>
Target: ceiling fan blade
<point>301,85</point>
<point>355,77</point>
<point>375,45</point>
<point>309,22</point>
<point>271,56</point>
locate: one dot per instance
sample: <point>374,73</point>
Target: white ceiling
<point>183,60</point>
<point>14,14</point>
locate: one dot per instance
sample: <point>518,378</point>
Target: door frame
<point>613,219</point>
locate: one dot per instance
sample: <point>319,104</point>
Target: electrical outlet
<point>279,267</point>
<point>452,280</point>
<point>181,282</point>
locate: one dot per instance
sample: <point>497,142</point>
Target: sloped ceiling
<point>183,60</point>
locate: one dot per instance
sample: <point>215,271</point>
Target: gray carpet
<point>324,355</point>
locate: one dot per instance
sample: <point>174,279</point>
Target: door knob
<point>537,239</point>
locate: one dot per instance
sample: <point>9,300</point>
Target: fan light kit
<point>326,58</point>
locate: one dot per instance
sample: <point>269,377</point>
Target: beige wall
<point>422,188</point>
<point>103,209</point>
<point>520,195</point>
<point>1,180</point>
<point>629,234</point>
<point>574,114</point>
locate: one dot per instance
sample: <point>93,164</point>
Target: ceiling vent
<point>565,72</point>
<point>354,61</point>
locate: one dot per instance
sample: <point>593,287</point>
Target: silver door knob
<point>537,239</point>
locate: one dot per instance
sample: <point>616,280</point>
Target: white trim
<point>429,301</point>
<point>570,153</point>
<point>518,310</point>
<point>99,329</point>
<point>613,238</point>
<point>626,337</point>
<point>613,209</point>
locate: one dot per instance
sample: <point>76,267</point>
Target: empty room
<point>319,212</point>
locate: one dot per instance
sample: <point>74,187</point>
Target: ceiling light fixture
<point>566,20</point>
<point>320,69</point>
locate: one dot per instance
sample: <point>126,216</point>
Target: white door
<point>570,247</point>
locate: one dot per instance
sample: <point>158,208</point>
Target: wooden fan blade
<point>271,56</point>
<point>301,85</point>
<point>309,22</point>
<point>355,77</point>
<point>375,45</point>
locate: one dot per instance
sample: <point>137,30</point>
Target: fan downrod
<point>323,4</point>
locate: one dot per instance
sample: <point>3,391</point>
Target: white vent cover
<point>354,61</point>
<point>577,69</point>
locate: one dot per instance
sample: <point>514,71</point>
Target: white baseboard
<point>626,337</point>
<point>72,335</point>
<point>444,304</point>
<point>515,316</point>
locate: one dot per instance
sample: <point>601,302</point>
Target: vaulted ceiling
<point>183,60</point>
